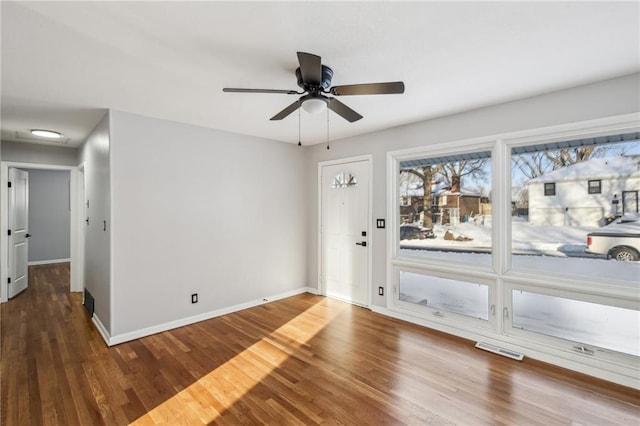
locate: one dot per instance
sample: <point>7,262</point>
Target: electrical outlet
<point>194,298</point>
<point>380,291</point>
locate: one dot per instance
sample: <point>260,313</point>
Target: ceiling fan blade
<point>288,110</point>
<point>310,68</point>
<point>235,90</point>
<point>369,89</point>
<point>343,111</point>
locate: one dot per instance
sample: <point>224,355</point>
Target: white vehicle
<point>619,240</point>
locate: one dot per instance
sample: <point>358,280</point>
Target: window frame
<point>565,345</point>
<point>599,187</point>
<point>501,275</point>
<point>442,316</point>
<point>591,130</point>
<point>393,212</point>
<point>549,191</point>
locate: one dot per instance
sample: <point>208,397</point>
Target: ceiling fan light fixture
<point>50,134</point>
<point>315,81</point>
<point>314,105</point>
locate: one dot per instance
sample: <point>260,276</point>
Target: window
<point>444,294</point>
<point>595,187</point>
<point>549,189</point>
<point>343,180</point>
<point>451,204</point>
<point>595,324</point>
<point>551,234</point>
<point>542,288</point>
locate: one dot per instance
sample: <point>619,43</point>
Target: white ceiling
<point>65,63</point>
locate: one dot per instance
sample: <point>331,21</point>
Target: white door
<point>345,232</point>
<point>18,226</point>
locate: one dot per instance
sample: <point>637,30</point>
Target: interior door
<point>18,226</point>
<point>344,231</point>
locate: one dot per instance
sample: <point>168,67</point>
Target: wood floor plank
<point>303,360</point>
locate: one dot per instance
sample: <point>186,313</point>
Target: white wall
<point>603,99</point>
<point>572,205</point>
<point>201,211</point>
<point>95,155</point>
<point>39,154</point>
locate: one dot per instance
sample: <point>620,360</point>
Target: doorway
<point>75,231</point>
<point>345,234</point>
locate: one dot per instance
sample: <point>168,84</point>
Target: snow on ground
<point>527,238</point>
<point>555,249</point>
<point>605,326</point>
<point>558,249</point>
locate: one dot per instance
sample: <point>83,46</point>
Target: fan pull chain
<point>328,147</point>
<point>299,143</point>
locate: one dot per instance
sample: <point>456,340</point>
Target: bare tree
<point>453,173</point>
<point>568,156</point>
<point>536,164</point>
<point>531,165</point>
<point>425,175</point>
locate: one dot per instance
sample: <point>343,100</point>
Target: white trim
<point>312,290</point>
<point>110,222</point>
<point>101,328</point>
<point>368,158</point>
<point>48,262</point>
<point>588,128</point>
<point>78,231</point>
<point>4,226</point>
<point>38,166</point>
<point>390,224</point>
<point>137,334</point>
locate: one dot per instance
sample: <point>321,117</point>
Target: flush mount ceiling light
<point>49,134</point>
<point>314,105</point>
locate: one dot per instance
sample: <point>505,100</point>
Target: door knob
<point>27,236</point>
<point>363,244</point>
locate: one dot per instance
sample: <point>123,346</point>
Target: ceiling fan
<point>315,80</point>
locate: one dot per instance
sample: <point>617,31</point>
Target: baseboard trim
<point>47,262</point>
<point>101,329</point>
<point>148,331</point>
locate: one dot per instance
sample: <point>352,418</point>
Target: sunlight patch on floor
<point>210,396</point>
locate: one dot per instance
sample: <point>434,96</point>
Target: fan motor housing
<point>325,83</point>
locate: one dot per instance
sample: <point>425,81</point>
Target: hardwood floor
<point>302,360</point>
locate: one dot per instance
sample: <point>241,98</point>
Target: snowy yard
<point>556,249</point>
<point>527,238</point>
<point>553,248</point>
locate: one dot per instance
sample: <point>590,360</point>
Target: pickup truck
<point>619,240</point>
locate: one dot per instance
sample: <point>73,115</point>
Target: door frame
<point>369,160</point>
<point>76,242</point>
